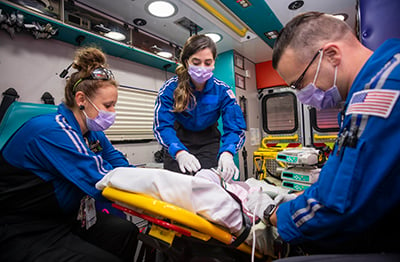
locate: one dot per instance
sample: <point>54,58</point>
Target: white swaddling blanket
<point>196,194</point>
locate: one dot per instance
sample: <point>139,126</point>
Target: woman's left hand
<point>227,167</point>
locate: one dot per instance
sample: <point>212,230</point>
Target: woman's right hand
<point>187,162</point>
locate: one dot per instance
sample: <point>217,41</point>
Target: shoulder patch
<point>231,94</point>
<point>376,102</point>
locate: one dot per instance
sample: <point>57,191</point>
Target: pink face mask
<point>200,74</point>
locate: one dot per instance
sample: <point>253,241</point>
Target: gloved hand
<point>187,162</point>
<point>259,232</point>
<point>257,202</point>
<point>227,167</point>
<point>264,238</point>
<point>282,198</point>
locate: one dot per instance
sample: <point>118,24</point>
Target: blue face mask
<point>102,121</point>
<point>200,74</point>
<point>313,96</point>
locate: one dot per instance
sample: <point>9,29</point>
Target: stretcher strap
<point>246,223</point>
<point>154,220</point>
<point>242,237</point>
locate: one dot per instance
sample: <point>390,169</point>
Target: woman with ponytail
<point>187,109</point>
<point>49,170</point>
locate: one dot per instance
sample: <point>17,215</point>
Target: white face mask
<point>313,96</point>
<point>102,121</point>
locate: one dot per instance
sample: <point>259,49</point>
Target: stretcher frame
<point>182,221</point>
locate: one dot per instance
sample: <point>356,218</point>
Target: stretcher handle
<point>153,220</point>
<point>277,138</point>
<point>319,137</point>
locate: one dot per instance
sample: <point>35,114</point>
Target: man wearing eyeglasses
<point>354,206</point>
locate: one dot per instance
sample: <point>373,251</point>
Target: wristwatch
<point>268,213</point>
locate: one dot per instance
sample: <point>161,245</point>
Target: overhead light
<point>214,36</point>
<point>161,9</point>
<point>115,35</point>
<point>164,54</point>
<point>341,16</point>
<point>271,34</point>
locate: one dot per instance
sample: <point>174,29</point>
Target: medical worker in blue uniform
<point>187,109</point>
<point>49,169</point>
<point>354,207</point>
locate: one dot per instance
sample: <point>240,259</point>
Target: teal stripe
<point>259,17</point>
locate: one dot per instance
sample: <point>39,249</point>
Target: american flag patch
<point>373,102</point>
<point>231,94</point>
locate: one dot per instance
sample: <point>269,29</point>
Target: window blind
<point>135,112</point>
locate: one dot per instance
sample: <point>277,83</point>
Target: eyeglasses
<point>296,84</point>
<point>99,73</point>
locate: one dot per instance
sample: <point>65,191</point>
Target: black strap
<point>9,96</point>
<point>246,224</point>
<point>243,236</point>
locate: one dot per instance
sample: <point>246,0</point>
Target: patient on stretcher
<point>205,194</point>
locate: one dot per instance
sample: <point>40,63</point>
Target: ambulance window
<point>279,112</point>
<point>325,120</point>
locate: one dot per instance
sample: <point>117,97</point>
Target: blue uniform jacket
<point>52,146</point>
<point>357,185</point>
<point>214,101</point>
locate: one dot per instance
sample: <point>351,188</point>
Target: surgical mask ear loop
<point>319,66</point>
<point>334,79</point>
<point>90,101</point>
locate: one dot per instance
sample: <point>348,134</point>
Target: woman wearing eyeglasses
<point>187,109</point>
<point>49,169</point>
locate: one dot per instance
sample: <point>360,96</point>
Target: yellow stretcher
<point>169,221</point>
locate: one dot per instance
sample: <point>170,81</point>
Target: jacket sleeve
<point>53,152</point>
<point>110,154</point>
<point>233,124</point>
<point>164,119</point>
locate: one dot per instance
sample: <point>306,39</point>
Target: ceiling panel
<point>261,16</point>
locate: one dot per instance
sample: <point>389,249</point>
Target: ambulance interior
<point>282,134</point>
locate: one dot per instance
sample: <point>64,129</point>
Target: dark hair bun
<point>87,59</point>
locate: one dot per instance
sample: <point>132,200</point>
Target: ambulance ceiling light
<point>115,35</point>
<point>214,36</point>
<point>164,54</point>
<point>160,52</point>
<point>162,9</point>
<point>271,34</point>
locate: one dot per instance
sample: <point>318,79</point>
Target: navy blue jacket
<point>214,101</point>
<point>358,185</point>
<point>53,147</point>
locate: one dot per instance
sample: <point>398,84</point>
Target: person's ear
<point>332,53</point>
<point>80,99</point>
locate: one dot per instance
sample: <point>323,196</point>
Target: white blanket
<point>196,194</point>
